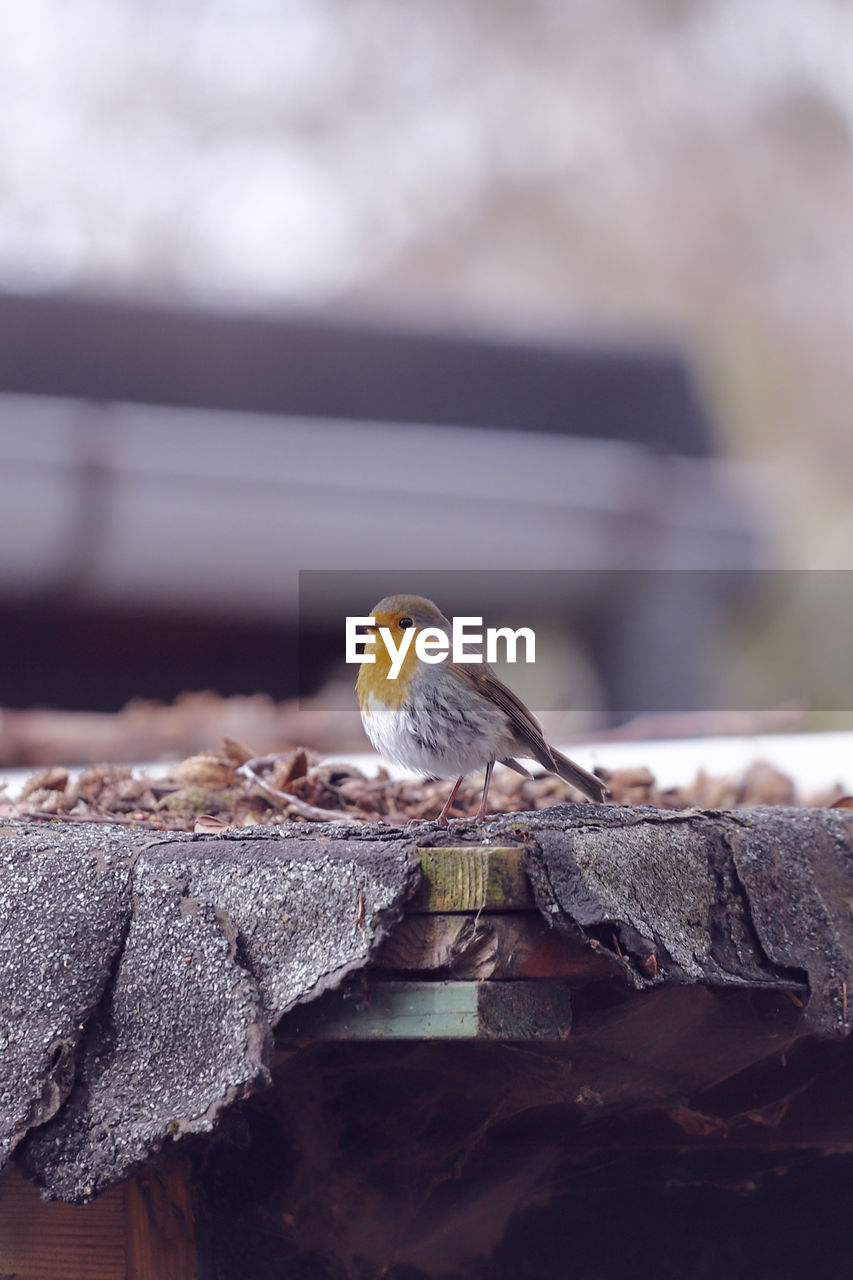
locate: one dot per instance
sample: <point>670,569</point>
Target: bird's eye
<point>406,622</point>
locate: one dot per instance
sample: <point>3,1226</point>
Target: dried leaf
<point>189,802</point>
<point>288,770</point>
<point>763,783</point>
<point>206,824</point>
<point>235,752</point>
<point>204,771</point>
<point>45,780</point>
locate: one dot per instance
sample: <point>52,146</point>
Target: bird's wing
<point>518,768</point>
<point>525,727</point>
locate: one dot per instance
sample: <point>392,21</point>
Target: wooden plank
<point>159,1231</point>
<point>141,1230</point>
<point>472,879</point>
<point>535,1010</point>
<point>49,1240</point>
<point>492,945</point>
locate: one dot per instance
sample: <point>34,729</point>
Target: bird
<point>445,719</point>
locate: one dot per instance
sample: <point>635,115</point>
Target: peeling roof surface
<point>148,1006</point>
<point>143,975</point>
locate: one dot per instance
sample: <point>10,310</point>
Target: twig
<point>307,810</point>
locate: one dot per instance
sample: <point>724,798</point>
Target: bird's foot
<point>423,822</point>
<point>473,820</point>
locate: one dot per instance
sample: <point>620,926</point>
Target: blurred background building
<point>295,286</point>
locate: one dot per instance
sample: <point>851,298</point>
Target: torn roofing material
<point>142,976</point>
<point>754,897</point>
<point>64,913</point>
<point>141,988</point>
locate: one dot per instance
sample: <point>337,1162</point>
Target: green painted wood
<point>522,1010</point>
<point>472,879</point>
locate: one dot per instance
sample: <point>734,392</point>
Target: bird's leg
<point>442,817</point>
<point>481,812</point>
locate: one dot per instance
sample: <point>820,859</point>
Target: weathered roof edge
<point>143,975</point>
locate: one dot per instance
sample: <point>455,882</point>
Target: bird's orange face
<point>374,677</point>
<point>398,621</point>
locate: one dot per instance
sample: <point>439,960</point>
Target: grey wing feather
<point>528,732</point>
<point>525,727</point>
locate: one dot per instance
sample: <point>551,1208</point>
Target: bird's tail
<point>578,777</point>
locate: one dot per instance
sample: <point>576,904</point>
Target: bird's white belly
<point>435,741</point>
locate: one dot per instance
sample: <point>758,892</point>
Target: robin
<point>446,720</point>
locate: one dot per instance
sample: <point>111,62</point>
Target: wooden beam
<point>497,944</point>
<point>474,878</point>
<point>159,1231</point>
<point>534,1010</point>
<point>49,1240</point>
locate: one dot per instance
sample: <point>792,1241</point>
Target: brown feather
<point>578,777</point>
<point>528,733</point>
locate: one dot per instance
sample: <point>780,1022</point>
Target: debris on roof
<point>233,788</point>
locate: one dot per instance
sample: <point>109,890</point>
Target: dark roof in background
<point>65,345</point>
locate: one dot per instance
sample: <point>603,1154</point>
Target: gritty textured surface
<point>306,912</point>
<point>754,898</point>
<point>798,876</point>
<point>626,880</point>
<point>143,974</point>
<point>150,975</point>
<point>63,917</point>
<point>182,1033</point>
